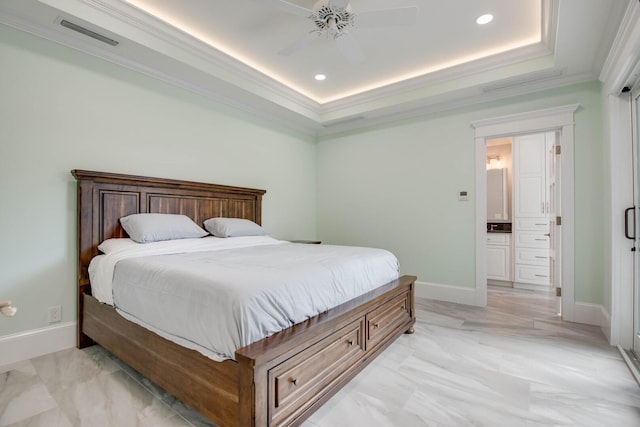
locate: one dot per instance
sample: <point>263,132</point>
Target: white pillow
<point>110,246</point>
<point>233,227</point>
<point>155,227</point>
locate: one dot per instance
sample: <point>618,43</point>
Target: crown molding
<point>624,55</point>
<point>423,83</point>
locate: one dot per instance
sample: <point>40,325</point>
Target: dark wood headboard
<point>104,198</point>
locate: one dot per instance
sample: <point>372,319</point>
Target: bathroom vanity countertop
<point>498,227</point>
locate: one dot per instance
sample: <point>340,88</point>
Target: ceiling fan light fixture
<point>484,19</point>
<point>334,19</point>
<point>330,17</point>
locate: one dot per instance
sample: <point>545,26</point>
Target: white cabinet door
<point>498,263</point>
<point>499,256</point>
<point>532,256</point>
<point>531,274</point>
<point>532,224</point>
<point>531,239</point>
<point>529,155</point>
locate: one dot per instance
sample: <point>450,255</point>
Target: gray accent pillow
<point>233,227</point>
<point>155,227</point>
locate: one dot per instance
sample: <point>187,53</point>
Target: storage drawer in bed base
<point>315,373</point>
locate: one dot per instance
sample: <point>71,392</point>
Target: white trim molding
<point>557,118</point>
<point>37,342</point>
<point>619,264</point>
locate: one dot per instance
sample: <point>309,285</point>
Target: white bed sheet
<point>217,295</point>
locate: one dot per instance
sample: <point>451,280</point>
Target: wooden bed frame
<point>280,380</point>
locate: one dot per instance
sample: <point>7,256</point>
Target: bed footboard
<point>294,372</point>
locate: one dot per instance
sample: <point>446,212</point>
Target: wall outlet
<point>55,314</point>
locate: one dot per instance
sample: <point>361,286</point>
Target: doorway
<point>558,120</point>
<point>522,249</point>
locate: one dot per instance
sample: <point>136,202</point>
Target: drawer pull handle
<point>541,275</point>
<point>294,381</point>
<point>541,257</point>
<point>541,224</point>
<point>375,325</point>
<point>350,342</point>
<point>541,240</point>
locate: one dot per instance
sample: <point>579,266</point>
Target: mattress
<point>217,295</point>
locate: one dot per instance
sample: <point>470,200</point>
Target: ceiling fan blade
<point>340,4</point>
<point>349,48</point>
<point>386,17</point>
<point>308,38</point>
<point>285,6</point>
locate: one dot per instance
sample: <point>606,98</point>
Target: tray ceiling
<point>230,51</point>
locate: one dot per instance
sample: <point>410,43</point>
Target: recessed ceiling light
<point>320,77</point>
<point>484,19</point>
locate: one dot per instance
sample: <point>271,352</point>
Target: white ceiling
<point>228,50</point>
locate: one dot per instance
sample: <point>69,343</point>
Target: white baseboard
<point>37,342</point>
<point>591,314</point>
<point>447,293</point>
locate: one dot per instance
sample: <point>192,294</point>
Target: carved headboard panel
<point>103,198</point>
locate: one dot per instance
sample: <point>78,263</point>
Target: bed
<point>279,380</point>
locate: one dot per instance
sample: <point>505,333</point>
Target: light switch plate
<point>463,196</point>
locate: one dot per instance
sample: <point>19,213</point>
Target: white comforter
<point>217,295</point>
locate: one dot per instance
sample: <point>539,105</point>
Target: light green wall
<point>61,109</point>
<point>396,187</point>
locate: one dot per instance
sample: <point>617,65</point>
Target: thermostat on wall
<point>463,196</point>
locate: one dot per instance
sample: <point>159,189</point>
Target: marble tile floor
<point>513,363</point>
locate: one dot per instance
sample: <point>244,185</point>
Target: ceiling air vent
<point>88,32</point>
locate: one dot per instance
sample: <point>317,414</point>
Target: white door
<point>554,151</point>
<point>631,230</point>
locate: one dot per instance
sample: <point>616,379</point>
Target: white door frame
<point>620,196</point>
<point>550,119</point>
<point>635,126</point>
<point>621,68</point>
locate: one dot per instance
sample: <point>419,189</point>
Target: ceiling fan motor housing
<point>330,17</point>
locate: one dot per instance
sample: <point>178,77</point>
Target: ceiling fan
<point>334,19</point>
